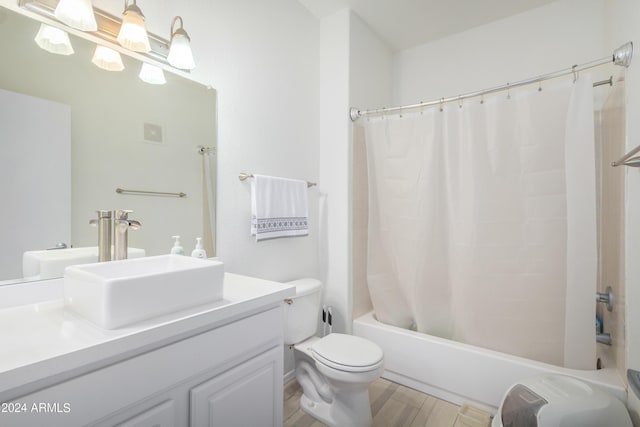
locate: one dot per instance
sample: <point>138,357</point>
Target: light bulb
<point>54,40</point>
<point>77,14</point>
<point>107,59</point>
<point>180,55</point>
<point>133,32</point>
<point>152,74</point>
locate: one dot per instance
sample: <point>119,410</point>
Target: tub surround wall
<point>621,20</point>
<point>611,234</point>
<point>361,298</point>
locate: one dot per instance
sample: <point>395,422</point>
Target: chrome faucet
<point>104,235</point>
<point>122,224</point>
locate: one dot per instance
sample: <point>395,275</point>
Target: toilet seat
<point>347,353</point>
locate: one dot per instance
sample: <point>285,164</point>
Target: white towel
<point>278,207</point>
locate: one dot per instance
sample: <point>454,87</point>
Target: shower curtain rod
<point>621,56</point>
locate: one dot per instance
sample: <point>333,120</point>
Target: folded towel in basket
<point>278,207</point>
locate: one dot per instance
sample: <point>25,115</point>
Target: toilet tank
<point>301,316</point>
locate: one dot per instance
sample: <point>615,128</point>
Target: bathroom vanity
<point>215,364</point>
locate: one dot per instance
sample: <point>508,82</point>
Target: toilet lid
<point>347,353</point>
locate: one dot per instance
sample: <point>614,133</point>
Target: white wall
<point>355,70</point>
<point>370,67</point>
<point>335,157</point>
<point>369,87</point>
<point>542,40</point>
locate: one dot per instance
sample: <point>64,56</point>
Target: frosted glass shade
<point>180,55</point>
<point>54,40</point>
<point>152,74</point>
<point>107,59</point>
<point>133,32</point>
<point>77,14</point>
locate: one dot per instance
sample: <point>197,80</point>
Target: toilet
<point>334,371</point>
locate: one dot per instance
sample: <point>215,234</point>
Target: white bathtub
<point>460,372</point>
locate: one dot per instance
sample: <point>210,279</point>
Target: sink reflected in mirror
<point>119,293</point>
<point>50,264</point>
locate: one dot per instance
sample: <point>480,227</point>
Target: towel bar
<point>243,176</point>
<point>154,193</point>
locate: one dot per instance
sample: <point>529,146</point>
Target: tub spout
<point>603,338</point>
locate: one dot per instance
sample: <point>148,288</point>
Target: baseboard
<point>289,376</point>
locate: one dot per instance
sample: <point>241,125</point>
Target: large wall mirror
<point>72,133</point>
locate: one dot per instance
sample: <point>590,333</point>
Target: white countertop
<point>42,343</point>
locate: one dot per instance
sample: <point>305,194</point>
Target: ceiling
<point>406,23</point>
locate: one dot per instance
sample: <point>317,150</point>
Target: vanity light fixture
<point>110,27</point>
<point>77,14</point>
<point>180,55</point>
<point>133,31</point>
<point>152,74</point>
<point>54,40</point>
<point>107,59</point>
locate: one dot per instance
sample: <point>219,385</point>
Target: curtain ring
<point>575,73</point>
<point>540,86</point>
<point>508,90</point>
<point>459,101</point>
<point>482,98</point>
<point>421,108</point>
<point>441,104</point>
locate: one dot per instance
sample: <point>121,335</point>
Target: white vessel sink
<point>50,264</point>
<point>118,293</point>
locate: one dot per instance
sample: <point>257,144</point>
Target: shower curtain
<point>482,221</point>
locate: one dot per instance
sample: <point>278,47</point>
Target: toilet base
<point>347,410</point>
<point>318,410</point>
<point>336,398</point>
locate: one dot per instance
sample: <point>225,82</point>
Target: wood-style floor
<point>392,405</point>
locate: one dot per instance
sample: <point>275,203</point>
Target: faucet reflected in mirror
<point>103,135</point>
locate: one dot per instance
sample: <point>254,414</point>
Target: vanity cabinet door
<point>248,395</point>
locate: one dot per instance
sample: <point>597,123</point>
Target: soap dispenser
<point>199,251</point>
<point>177,248</point>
